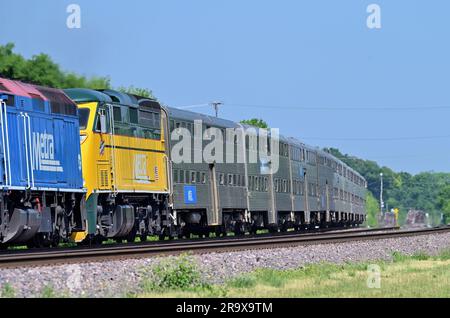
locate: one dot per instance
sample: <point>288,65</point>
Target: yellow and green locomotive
<point>126,169</point>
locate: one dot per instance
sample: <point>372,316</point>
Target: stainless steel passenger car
<point>311,188</point>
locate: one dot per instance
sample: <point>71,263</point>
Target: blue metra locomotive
<point>40,166</point>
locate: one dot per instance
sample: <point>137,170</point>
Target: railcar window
<point>197,177</point>
<point>37,102</point>
<point>175,176</point>
<point>60,103</point>
<point>181,176</point>
<point>10,101</point>
<point>134,116</point>
<point>186,177</point>
<point>203,177</point>
<point>146,119</point>
<point>221,179</point>
<point>172,125</point>
<point>117,114</point>
<point>83,117</point>
<point>230,179</point>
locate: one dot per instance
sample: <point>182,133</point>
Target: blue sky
<point>311,68</point>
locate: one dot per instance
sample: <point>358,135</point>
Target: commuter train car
<point>310,189</point>
<point>42,201</point>
<point>125,165</point>
<point>206,194</point>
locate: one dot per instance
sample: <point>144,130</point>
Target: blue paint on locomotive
<point>40,143</point>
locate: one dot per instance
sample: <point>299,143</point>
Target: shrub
<point>179,273</point>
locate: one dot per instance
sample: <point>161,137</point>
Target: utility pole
<point>381,194</point>
<point>216,105</point>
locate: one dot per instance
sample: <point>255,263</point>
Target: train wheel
<point>273,228</point>
<point>253,229</point>
<point>131,238</point>
<point>143,237</point>
<point>55,240</point>
<point>218,231</point>
<point>239,229</point>
<point>163,234</point>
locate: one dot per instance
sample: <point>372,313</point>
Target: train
<point>82,165</point>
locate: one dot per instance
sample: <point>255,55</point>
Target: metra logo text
<point>44,153</point>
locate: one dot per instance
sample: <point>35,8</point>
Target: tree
<point>143,92</point>
<point>255,122</point>
<point>372,209</point>
<point>42,70</point>
<point>444,201</point>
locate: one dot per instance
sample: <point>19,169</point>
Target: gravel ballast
<point>115,278</point>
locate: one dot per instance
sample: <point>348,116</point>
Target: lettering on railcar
<point>44,153</point>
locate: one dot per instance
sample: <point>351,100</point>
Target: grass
<point>7,291</point>
<point>419,275</point>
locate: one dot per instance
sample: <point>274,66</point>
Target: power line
<point>328,108</point>
<point>194,106</point>
<point>377,138</point>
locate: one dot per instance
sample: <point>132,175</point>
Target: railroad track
<point>17,258</point>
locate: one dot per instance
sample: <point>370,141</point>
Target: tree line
<point>427,191</point>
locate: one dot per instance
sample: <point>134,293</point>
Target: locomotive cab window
<point>10,101</point>
<point>83,117</point>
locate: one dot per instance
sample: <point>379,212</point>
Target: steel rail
<point>120,251</point>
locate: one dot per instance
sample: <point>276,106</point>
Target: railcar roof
<point>211,120</point>
<point>208,120</point>
<point>110,96</point>
<point>84,95</point>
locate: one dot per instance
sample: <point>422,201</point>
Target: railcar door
<point>22,154</point>
<point>214,195</point>
<point>5,168</point>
